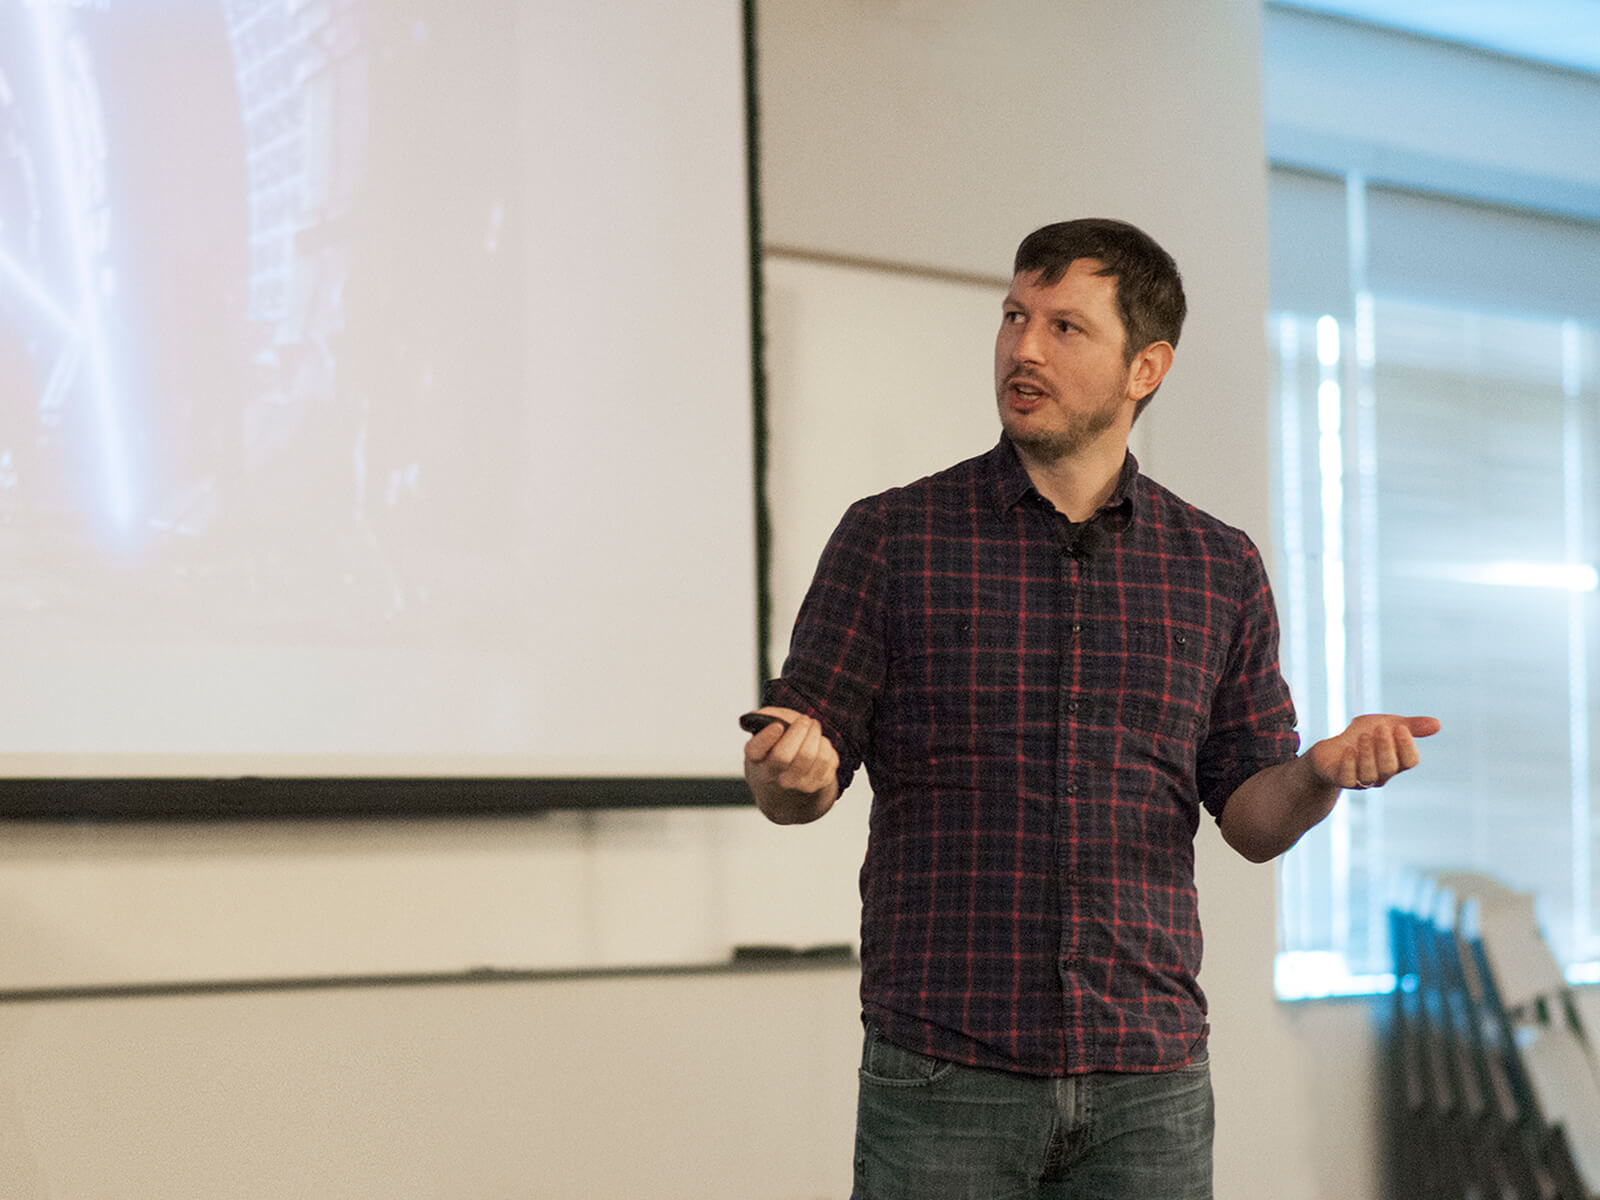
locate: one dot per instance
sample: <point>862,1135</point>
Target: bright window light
<point>1570,577</point>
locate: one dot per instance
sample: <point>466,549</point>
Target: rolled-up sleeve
<point>837,654</point>
<point>1252,724</point>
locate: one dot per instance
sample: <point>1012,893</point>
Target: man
<point>1048,665</point>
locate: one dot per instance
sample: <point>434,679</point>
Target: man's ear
<point>1148,368</point>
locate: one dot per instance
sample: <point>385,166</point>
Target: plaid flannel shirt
<point>1043,709</point>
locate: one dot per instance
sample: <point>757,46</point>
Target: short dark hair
<point>1150,297</point>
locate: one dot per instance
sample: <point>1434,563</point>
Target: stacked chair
<point>1495,1088</point>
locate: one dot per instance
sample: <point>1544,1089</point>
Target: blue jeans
<point>933,1130</point>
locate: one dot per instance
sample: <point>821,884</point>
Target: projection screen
<point>375,404</point>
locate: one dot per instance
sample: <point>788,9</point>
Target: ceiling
<point>1563,33</point>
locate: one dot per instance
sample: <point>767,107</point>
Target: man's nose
<point>1026,346</point>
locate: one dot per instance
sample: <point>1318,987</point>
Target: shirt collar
<point>1013,487</point>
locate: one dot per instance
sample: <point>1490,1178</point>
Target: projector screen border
<point>259,797</point>
<point>128,796</point>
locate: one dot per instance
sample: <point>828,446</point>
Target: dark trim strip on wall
<point>758,343</point>
<point>256,798</point>
<point>833,957</point>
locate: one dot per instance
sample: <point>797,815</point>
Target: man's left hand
<point>1371,751</point>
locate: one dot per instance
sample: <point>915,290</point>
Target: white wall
<point>669,1087</point>
<point>897,135</point>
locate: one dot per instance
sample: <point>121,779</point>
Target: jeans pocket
<point>887,1065</point>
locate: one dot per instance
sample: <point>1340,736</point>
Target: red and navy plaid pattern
<point>1043,709</point>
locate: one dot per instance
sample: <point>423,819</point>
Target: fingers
<point>797,758</point>
<point>763,740</point>
<point>1421,726</point>
<point>1379,748</point>
<point>1372,750</point>
<point>1357,764</point>
<point>1368,769</point>
<point>1406,748</point>
<point>813,762</point>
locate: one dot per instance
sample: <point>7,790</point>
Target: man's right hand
<point>793,772</point>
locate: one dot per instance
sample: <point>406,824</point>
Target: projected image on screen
<point>275,423</point>
<point>227,406</point>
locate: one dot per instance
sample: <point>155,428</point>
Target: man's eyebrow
<point>1076,315</point>
<point>1072,314</point>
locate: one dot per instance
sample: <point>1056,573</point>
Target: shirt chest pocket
<point>1165,678</point>
<point>962,670</point>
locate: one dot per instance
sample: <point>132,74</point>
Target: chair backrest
<point>1497,1072</point>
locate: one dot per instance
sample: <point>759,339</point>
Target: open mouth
<point>1025,394</point>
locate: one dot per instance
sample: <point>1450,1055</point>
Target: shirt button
<point>1072,706</point>
<point>1077,628</point>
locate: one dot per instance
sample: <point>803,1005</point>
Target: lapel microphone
<point>1085,540</point>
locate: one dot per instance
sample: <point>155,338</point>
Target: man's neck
<point>1078,485</point>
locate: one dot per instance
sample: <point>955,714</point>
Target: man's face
<point>1061,380</point>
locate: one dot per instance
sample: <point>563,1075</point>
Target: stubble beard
<point>1054,445</point>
